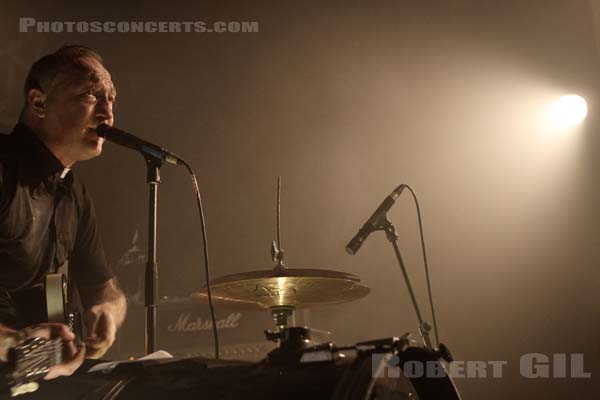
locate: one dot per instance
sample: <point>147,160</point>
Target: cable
<point>206,264</point>
<point>437,338</point>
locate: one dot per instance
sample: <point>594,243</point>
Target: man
<point>46,215</point>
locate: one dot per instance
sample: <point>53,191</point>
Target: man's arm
<point>104,312</point>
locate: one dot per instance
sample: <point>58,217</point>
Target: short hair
<point>44,72</point>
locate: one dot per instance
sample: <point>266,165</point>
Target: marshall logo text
<point>184,324</point>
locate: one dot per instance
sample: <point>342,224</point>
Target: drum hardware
<point>281,315</point>
<point>281,289</point>
<point>294,287</point>
<point>297,348</point>
<point>398,345</point>
<point>296,342</point>
<point>276,249</point>
<point>405,352</point>
<point>284,313</point>
<point>444,352</point>
<point>393,344</point>
<point>292,343</point>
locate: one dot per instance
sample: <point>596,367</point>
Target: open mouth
<point>93,134</point>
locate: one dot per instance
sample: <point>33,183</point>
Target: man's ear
<point>36,100</point>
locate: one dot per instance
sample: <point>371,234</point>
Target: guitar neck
<point>32,359</point>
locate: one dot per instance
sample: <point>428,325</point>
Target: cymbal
<point>284,287</point>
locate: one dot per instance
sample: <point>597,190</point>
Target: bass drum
<point>353,376</point>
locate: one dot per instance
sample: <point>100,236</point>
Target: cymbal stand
<point>281,314</point>
<point>277,252</point>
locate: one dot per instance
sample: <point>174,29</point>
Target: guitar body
<point>58,305</point>
<point>56,291</point>
<point>48,301</point>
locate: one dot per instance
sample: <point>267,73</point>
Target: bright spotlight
<point>567,111</point>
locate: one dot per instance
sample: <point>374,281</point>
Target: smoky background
<point>346,100</point>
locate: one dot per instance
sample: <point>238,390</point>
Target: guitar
<point>31,360</point>
<point>58,305</point>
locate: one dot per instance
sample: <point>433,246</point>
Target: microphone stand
<point>151,276</point>
<point>386,225</point>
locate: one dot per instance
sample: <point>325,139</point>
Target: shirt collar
<point>42,162</point>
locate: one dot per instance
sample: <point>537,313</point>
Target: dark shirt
<point>46,217</point>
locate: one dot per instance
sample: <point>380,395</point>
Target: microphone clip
<point>386,225</point>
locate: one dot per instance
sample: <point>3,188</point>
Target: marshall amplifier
<point>184,329</point>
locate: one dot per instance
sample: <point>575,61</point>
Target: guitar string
<point>44,354</point>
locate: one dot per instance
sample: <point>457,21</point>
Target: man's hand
<point>101,328</point>
<point>72,357</point>
<point>105,308</point>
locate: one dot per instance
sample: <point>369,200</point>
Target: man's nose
<point>104,109</point>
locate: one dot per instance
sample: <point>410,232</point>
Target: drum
<point>350,375</point>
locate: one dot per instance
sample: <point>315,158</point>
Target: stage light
<point>567,111</point>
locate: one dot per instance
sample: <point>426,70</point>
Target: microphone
<point>373,222</point>
<point>133,142</point>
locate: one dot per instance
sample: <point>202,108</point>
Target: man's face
<point>75,106</point>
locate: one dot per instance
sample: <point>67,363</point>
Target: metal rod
<point>279,212</point>
<point>151,281</point>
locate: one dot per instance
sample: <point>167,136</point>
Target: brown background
<point>345,101</point>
